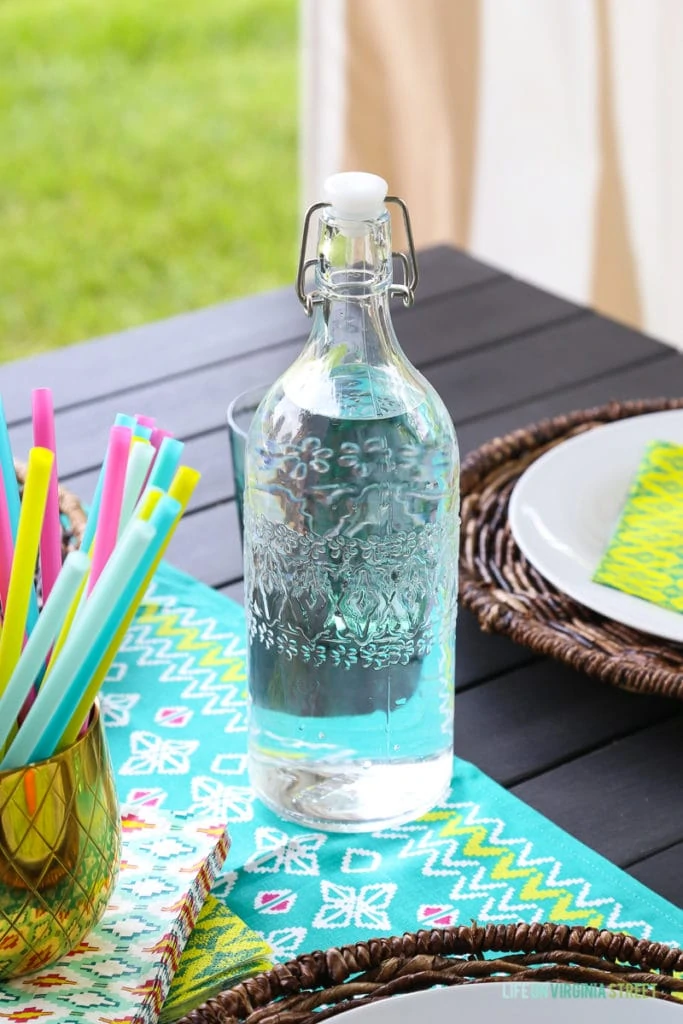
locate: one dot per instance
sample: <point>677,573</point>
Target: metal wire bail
<point>307,300</point>
<point>408,260</point>
<point>406,289</point>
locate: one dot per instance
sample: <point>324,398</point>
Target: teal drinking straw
<point>121,420</point>
<point>94,510</point>
<point>80,696</point>
<point>136,473</point>
<point>41,640</point>
<point>9,478</point>
<point>166,463</point>
<point>140,430</point>
<point>38,732</point>
<point>124,420</point>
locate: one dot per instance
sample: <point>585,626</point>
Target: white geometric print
<point>356,861</point>
<point>501,906</point>
<point>279,902</point>
<point>285,942</point>
<point>440,854</point>
<point>117,672</point>
<point>116,708</point>
<point>220,699</point>
<point>229,764</point>
<point>364,908</point>
<point>276,851</point>
<point>491,901</point>
<point>224,885</point>
<point>423,876</point>
<point>152,754</point>
<point>211,797</point>
<point>85,1000</point>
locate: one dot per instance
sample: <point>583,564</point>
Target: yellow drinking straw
<point>182,488</point>
<point>38,475</point>
<point>183,485</point>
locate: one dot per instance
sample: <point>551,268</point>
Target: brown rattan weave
<point>73,516</point>
<point>508,596</point>
<point>322,984</point>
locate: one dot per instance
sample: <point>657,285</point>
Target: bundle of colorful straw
<point>53,661</point>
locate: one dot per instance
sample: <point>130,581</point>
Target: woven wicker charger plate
<point>322,984</point>
<point>509,596</point>
<point>73,516</point>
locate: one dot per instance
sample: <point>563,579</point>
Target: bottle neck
<point>352,320</point>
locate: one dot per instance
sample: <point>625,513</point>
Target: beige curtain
<point>545,136</point>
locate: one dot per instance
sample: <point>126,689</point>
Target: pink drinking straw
<point>51,535</point>
<point>110,505</point>
<point>6,547</point>
<point>145,421</point>
<point>158,434</point>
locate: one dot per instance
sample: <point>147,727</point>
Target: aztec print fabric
<point>645,554</point>
<point>175,708</point>
<point>122,970</point>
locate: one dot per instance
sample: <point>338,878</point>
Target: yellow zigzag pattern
<point>532,891</point>
<point>188,640</point>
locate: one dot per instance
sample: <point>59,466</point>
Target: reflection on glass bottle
<point>351,542</point>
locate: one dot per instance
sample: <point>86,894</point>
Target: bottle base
<point>350,798</point>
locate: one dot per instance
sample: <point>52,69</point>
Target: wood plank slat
<point>530,719</point>
<point>209,453</point>
<point>472,384</point>
<point>216,568</point>
<point>662,872</point>
<point>538,363</point>
<point>235,591</point>
<point>661,377</point>
<point>119,362</point>
<point>197,403</point>
<point>623,800</point>
<point>207,545</point>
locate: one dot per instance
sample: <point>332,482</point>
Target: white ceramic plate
<point>516,1003</point>
<point>564,508</point>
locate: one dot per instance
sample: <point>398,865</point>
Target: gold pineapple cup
<point>60,848</point>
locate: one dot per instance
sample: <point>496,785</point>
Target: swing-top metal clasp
<point>406,288</point>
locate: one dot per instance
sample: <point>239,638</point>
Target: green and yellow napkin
<point>221,951</point>
<point>645,553</point>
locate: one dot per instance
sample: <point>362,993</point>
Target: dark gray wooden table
<point>603,764</point>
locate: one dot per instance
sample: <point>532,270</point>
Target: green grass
<point>147,161</point>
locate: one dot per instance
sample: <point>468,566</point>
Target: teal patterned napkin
<point>175,706</point>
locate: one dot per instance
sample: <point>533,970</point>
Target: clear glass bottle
<point>351,548</point>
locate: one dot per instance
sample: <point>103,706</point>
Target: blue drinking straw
<point>9,477</point>
<point>165,464</point>
<point>39,732</point>
<point>76,703</point>
<point>41,640</point>
<point>140,430</point>
<point>124,420</point>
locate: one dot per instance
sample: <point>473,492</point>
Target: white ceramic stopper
<point>355,195</point>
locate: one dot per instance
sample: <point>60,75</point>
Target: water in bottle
<point>351,545</point>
